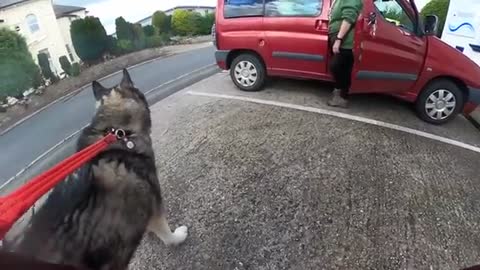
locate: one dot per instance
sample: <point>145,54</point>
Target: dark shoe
<point>337,100</point>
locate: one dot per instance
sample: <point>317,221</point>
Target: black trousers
<point>341,66</point>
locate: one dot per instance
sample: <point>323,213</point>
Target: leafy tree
<point>207,22</point>
<point>439,8</point>
<point>89,38</point>
<point>185,22</point>
<point>18,71</point>
<point>45,67</point>
<point>124,29</point>
<point>161,21</point>
<point>66,65</point>
<point>149,30</point>
<point>138,37</point>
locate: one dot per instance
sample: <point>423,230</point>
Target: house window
<point>70,54</point>
<point>33,23</point>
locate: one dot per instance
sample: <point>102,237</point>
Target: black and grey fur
<point>97,217</point>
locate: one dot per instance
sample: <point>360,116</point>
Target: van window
<point>394,13</point>
<point>243,8</point>
<point>289,8</point>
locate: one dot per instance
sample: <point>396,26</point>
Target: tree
<point>89,38</point>
<point>439,8</point>
<point>183,22</point>
<point>207,22</point>
<point>124,29</point>
<point>149,30</point>
<point>138,37</point>
<point>66,65</point>
<point>18,71</point>
<point>161,21</point>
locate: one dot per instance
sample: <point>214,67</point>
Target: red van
<point>396,52</point>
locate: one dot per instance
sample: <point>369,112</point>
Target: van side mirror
<point>431,25</point>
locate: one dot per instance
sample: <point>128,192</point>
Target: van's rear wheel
<point>248,73</point>
<point>440,102</point>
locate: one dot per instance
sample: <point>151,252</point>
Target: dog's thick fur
<point>97,217</point>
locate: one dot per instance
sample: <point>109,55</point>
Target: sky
<point>135,10</point>
<point>131,10</point>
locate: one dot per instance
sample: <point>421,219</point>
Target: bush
<point>439,8</point>
<point>125,46</point>
<point>182,23</point>
<point>45,67</point>
<point>18,71</point>
<point>112,46</point>
<point>65,64</point>
<point>149,30</point>
<point>156,41</point>
<point>89,39</point>
<point>75,70</point>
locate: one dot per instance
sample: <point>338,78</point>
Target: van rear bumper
<point>221,58</point>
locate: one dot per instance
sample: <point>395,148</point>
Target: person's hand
<point>336,46</point>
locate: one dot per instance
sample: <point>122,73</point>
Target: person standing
<point>341,28</point>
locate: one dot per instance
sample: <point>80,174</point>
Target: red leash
<point>14,205</point>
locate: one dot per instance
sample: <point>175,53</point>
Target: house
<point>200,9</point>
<point>46,27</point>
<point>65,15</point>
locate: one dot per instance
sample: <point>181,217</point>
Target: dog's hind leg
<point>159,225</point>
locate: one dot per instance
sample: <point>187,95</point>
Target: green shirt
<point>344,10</point>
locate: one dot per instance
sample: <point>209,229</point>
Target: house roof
<point>61,10</point>
<point>7,3</point>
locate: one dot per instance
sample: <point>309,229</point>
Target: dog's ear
<point>98,90</point>
<point>126,80</point>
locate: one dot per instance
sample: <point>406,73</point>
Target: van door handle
<point>321,25</point>
<point>372,18</point>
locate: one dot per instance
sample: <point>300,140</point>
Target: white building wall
<point>64,26</point>
<point>47,37</point>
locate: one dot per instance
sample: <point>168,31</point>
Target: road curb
<point>80,89</point>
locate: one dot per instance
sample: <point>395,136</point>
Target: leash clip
<point>122,136</point>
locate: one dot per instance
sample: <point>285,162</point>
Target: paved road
<point>27,141</point>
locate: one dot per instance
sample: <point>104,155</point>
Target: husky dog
<point>97,217</point>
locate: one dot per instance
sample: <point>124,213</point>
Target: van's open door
<point>389,52</point>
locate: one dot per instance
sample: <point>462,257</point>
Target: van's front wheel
<point>440,102</point>
<point>248,73</point>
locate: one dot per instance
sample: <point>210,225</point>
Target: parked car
<point>403,59</point>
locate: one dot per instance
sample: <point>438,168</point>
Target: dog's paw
<point>179,235</point>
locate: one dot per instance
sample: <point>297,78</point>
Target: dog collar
<point>123,136</point>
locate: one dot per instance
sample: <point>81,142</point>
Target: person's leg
<point>348,59</point>
<point>341,72</point>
